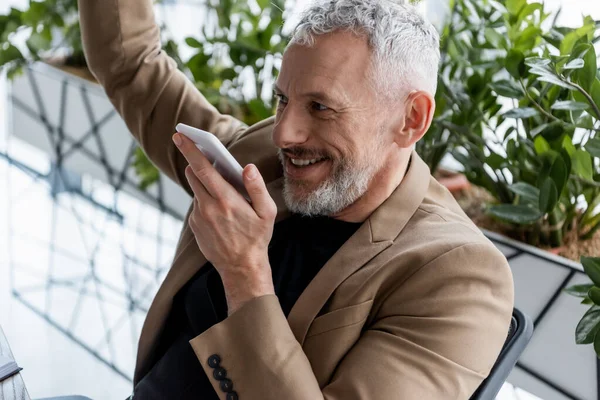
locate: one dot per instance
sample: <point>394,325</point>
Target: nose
<point>291,127</point>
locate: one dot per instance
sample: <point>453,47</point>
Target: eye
<point>281,98</point>
<point>319,107</point>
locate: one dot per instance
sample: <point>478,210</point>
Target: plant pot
<point>455,182</point>
<point>472,201</point>
<point>556,250</point>
<point>71,66</point>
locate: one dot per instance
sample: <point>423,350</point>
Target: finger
<point>212,181</point>
<point>200,192</point>
<point>262,202</point>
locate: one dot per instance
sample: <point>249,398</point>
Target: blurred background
<point>88,226</point>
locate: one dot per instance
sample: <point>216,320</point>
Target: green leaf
<point>567,144</point>
<point>507,88</point>
<point>570,105</point>
<point>515,63</point>
<point>582,164</point>
<point>259,109</point>
<point>579,290</point>
<point>10,54</point>
<point>594,295</point>
<point>591,266</point>
<point>228,73</point>
<point>548,196</point>
<point>144,169</point>
<point>494,38</point>
<point>495,160</point>
<point>528,38</point>
<point>526,191</point>
<point>585,121</point>
<point>263,4</point>
<point>587,301</point>
<point>566,157</point>
<point>552,131</point>
<point>37,10</point>
<point>559,174</point>
<point>511,149</point>
<point>572,37</point>
<point>593,147</point>
<point>586,76</point>
<point>595,93</point>
<point>597,344</point>
<point>14,71</point>
<point>37,43</point>
<point>538,62</point>
<point>556,81</point>
<point>193,42</point>
<point>577,63</point>
<point>517,214</point>
<point>541,145</point>
<point>10,27</point>
<point>526,112</point>
<point>515,6</point>
<point>530,9</point>
<point>588,326</point>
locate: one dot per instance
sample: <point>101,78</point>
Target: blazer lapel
<point>353,254</point>
<point>375,235</point>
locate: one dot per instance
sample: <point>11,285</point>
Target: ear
<point>418,114</point>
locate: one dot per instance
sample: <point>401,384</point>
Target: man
<point>352,274</point>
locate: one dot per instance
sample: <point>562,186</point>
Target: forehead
<point>338,62</point>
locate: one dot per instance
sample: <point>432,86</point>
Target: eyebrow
<point>317,95</point>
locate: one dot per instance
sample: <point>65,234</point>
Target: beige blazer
<point>415,305</point>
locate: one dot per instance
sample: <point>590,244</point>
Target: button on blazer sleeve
<point>122,47</point>
<point>436,336</point>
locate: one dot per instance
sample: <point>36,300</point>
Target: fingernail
<point>177,139</point>
<point>252,172</point>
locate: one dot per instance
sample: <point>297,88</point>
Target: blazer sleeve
<point>435,337</point>
<point>122,47</point>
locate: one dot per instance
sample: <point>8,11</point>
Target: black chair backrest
<point>519,334</point>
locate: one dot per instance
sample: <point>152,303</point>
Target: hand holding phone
<point>218,155</point>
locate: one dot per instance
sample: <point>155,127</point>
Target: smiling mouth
<point>305,169</point>
<point>303,163</point>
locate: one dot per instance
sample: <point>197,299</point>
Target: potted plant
<point>523,118</point>
<point>460,92</point>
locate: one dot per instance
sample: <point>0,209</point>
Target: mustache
<point>303,152</point>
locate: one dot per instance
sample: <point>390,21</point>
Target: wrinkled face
<point>329,127</point>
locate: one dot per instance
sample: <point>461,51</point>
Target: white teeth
<point>302,163</point>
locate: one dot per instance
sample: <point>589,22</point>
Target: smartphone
<point>218,155</point>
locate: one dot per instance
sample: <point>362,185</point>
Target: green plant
<point>236,57</point>
<point>463,102</point>
<point>531,137</point>
<point>588,329</point>
<point>46,26</point>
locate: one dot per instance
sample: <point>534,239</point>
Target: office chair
<point>519,334</point>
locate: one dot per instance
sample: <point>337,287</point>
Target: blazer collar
<point>376,234</point>
<point>388,220</point>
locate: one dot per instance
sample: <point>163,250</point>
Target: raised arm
<point>122,47</point>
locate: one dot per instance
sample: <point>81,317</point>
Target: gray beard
<point>347,184</point>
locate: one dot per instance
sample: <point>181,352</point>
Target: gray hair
<point>406,47</point>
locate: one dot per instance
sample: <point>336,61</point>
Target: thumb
<point>255,185</point>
